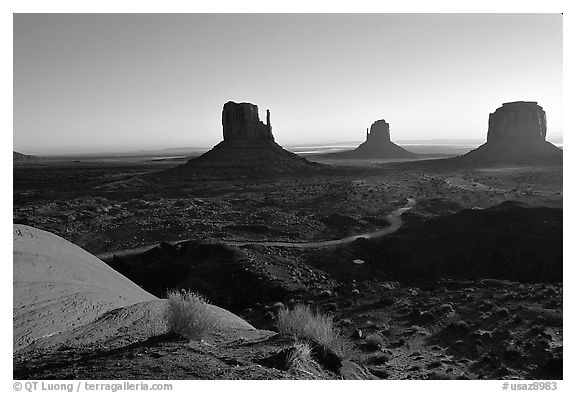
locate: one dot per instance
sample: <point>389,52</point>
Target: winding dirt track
<point>394,218</point>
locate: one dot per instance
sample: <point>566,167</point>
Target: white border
<point>257,6</point>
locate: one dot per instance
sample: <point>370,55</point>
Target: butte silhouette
<point>248,146</point>
<point>16,156</point>
<point>377,145</point>
<point>516,135</point>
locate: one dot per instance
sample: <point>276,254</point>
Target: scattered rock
<point>385,301</point>
<point>379,359</point>
<point>461,326</point>
<point>398,343</point>
<point>426,318</point>
<point>346,322</point>
<point>379,372</point>
<point>446,309</point>
<point>441,376</point>
<point>347,303</point>
<point>502,312</point>
<point>374,342</point>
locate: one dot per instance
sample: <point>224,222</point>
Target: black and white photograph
<point>288,196</point>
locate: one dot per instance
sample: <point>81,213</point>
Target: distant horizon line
<point>558,139</point>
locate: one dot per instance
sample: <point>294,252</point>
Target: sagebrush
<point>188,315</point>
<point>299,358</point>
<point>304,323</point>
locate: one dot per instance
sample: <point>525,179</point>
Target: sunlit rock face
<point>522,121</point>
<point>241,122</point>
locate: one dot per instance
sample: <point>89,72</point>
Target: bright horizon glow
<point>87,83</point>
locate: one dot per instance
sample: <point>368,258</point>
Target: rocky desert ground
<point>161,233</point>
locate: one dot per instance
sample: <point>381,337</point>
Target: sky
<point>87,83</point>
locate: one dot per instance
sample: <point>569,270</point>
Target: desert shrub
<point>299,357</point>
<point>188,315</point>
<point>446,309</point>
<point>459,325</point>
<point>304,323</point>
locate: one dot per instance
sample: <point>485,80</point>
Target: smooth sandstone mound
<point>62,293</point>
<point>58,286</point>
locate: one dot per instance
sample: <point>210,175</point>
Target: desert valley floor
<point>469,286</point>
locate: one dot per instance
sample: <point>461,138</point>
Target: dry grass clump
<point>304,323</point>
<point>188,315</point>
<point>299,357</point>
